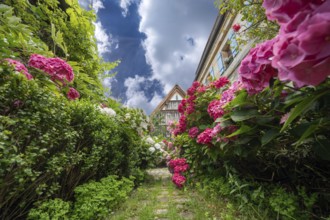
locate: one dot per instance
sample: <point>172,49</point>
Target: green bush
<point>96,200</point>
<point>54,209</point>
<point>93,200</point>
<point>49,145</point>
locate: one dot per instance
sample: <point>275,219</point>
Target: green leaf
<point>322,149</point>
<point>301,108</point>
<point>203,127</point>
<point>242,115</point>
<point>264,120</point>
<point>269,135</point>
<point>243,129</point>
<point>239,100</point>
<point>311,128</point>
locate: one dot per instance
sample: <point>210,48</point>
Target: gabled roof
<point>175,89</point>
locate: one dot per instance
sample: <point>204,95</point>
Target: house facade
<point>167,110</point>
<point>222,54</point>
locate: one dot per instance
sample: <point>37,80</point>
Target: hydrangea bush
<point>269,130</point>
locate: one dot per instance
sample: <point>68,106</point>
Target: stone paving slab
<point>161,211</point>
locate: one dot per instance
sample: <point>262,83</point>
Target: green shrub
<point>54,209</point>
<point>50,145</point>
<point>96,200</point>
<point>284,203</point>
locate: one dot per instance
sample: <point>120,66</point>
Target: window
<point>221,67</point>
<point>230,50</point>
<point>211,72</point>
<point>176,97</point>
<point>233,43</point>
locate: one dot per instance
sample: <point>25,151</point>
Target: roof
<point>210,42</point>
<point>175,89</point>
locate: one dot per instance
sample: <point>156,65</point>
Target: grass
<point>174,204</point>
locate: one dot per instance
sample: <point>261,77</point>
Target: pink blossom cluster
<point>216,107</point>
<point>302,49</point>
<point>201,89</point>
<point>182,106</point>
<point>73,94</point>
<point>221,82</point>
<point>178,166</point>
<point>236,27</point>
<point>191,91</point>
<point>171,125</point>
<point>19,67</point>
<point>229,94</point>
<point>168,144</point>
<point>256,69</point>
<point>57,68</point>
<point>217,133</point>
<point>182,126</point>
<point>205,137</point>
<point>285,10</point>
<point>177,162</point>
<point>193,132</point>
<point>187,106</point>
<point>178,180</point>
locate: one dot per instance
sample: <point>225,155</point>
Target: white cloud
<point>103,39</point>
<point>107,82</point>
<point>177,32</point>
<point>136,97</point>
<point>124,4</point>
<point>96,4</point>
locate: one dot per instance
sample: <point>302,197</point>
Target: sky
<point>159,44</point>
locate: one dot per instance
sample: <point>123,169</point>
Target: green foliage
<point>98,199</point>
<point>283,203</point>
<point>54,209</point>
<point>39,25</point>
<point>289,156</point>
<point>253,15</point>
<point>93,200</point>
<point>49,145</point>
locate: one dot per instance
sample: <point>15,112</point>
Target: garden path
<point>157,199</point>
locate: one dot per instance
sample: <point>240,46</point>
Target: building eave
<point>210,42</point>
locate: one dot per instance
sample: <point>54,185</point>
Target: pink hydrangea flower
<point>201,89</point>
<point>191,91</point>
<point>182,106</point>
<point>193,132</point>
<point>255,70</point>
<point>215,109</point>
<point>182,123</point>
<point>190,109</point>
<point>191,99</point>
<point>19,67</point>
<point>284,10</point>
<point>302,52</point>
<point>284,118</point>
<point>73,94</point>
<point>205,137</point>
<point>57,68</point>
<point>178,180</point>
<point>236,27</point>
<point>181,168</point>
<point>216,130</point>
<point>221,82</point>
<point>177,162</point>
